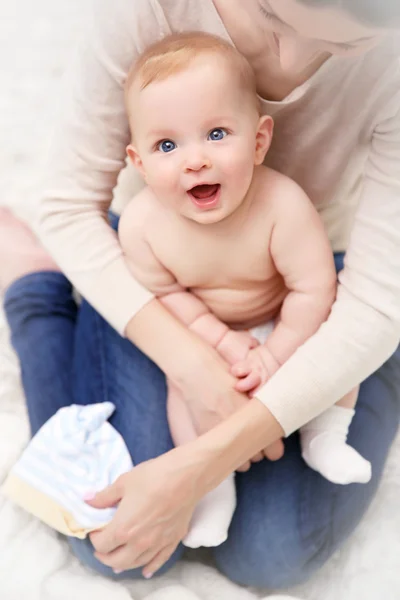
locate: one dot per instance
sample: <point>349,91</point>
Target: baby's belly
<point>242,309</point>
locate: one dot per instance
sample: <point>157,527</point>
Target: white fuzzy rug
<point>36,37</point>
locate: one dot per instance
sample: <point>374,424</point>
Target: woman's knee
<point>284,547</point>
<point>276,565</point>
<point>110,368</point>
<point>84,551</point>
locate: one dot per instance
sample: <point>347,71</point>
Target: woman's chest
<point>274,84</point>
<point>318,142</point>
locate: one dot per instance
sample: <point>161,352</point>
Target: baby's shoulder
<point>139,211</point>
<point>279,193</point>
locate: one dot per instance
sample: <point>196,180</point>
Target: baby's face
<point>195,140</point>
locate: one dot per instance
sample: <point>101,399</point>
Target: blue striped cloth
<point>76,453</point>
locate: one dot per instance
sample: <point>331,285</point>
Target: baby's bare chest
<point>214,259</point>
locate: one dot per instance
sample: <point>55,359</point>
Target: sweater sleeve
<point>87,152</point>
<point>363,329</point>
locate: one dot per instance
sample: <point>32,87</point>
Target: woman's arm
<point>363,329</point>
<point>86,155</point>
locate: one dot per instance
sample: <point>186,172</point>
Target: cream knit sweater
<point>337,135</point>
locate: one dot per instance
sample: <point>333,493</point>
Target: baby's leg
<point>324,447</point>
<point>213,514</point>
<point>179,419</point>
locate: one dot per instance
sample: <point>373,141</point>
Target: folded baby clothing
<point>76,453</point>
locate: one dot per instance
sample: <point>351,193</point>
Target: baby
<point>232,248</point>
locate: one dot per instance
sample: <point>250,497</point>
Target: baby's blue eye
<point>217,134</point>
<point>166,146</point>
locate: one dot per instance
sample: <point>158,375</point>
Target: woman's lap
<point>73,356</point>
<point>288,521</point>
<point>121,374</point>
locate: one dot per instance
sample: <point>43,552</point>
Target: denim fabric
<point>288,521</point>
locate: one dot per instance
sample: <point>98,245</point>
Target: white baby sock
<point>212,516</point>
<point>324,448</point>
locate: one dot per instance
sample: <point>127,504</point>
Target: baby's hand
<point>254,370</point>
<point>236,345</point>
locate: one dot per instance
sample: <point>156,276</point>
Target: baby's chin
<point>208,217</point>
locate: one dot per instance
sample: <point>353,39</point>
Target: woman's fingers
<point>107,540</point>
<point>154,512</point>
<point>108,497</point>
<point>275,451</point>
<point>245,467</point>
<point>258,457</point>
<point>114,560</point>
<point>121,559</point>
<point>158,561</point>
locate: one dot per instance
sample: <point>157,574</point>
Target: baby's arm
<point>232,345</point>
<point>302,255</point>
<point>148,269</point>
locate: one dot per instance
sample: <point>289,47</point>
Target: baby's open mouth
<point>204,192</point>
<point>205,196</point>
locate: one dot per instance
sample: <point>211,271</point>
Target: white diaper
<point>262,332</point>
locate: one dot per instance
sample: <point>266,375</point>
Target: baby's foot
<point>324,448</point>
<point>334,459</point>
<point>20,251</point>
<point>212,516</point>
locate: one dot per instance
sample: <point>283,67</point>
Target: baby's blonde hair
<point>176,52</point>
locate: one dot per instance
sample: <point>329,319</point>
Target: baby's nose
<point>196,160</point>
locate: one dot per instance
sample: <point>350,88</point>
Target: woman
<point>328,73</point>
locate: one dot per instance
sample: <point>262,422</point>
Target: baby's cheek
<point>241,174</point>
<point>163,178</point>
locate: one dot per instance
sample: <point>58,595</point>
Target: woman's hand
<point>157,498</point>
<point>190,364</point>
<point>156,502</point>
<point>208,389</point>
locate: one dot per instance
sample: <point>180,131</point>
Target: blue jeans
<point>288,520</point>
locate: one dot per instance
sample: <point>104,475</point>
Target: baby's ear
<point>135,159</point>
<point>264,133</point>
